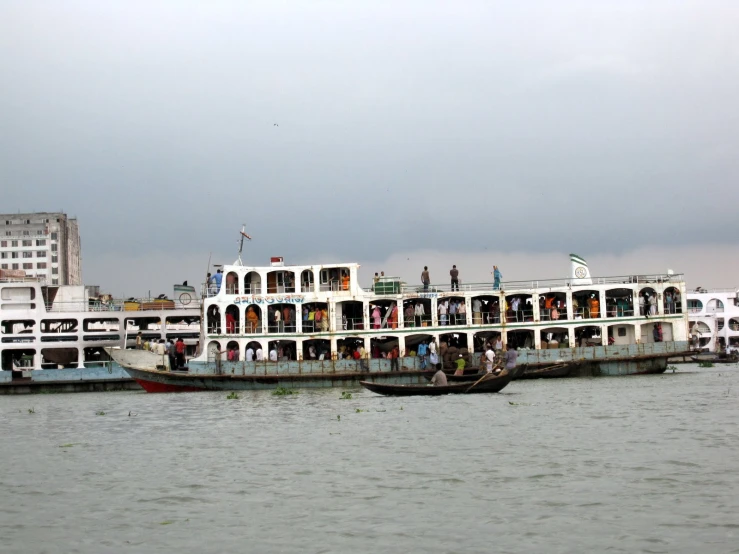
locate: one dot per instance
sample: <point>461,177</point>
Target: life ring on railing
<point>185,298</point>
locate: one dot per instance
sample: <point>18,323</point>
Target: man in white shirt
<point>273,354</point>
<point>489,359</point>
<point>420,312</point>
<point>250,354</point>
<point>442,313</point>
<point>260,354</point>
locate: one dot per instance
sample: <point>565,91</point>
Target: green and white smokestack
<point>580,273</point>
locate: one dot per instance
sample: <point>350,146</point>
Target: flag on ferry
<point>247,236</point>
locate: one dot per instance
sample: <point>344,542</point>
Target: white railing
<point>118,306</point>
<point>385,285</point>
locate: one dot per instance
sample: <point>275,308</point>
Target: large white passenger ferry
<point>713,319</point>
<point>58,333</point>
<point>305,325</point>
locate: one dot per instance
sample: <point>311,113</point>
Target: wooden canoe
<point>489,384</point>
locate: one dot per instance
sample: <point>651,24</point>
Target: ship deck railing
<point>140,305</point>
<point>384,285</point>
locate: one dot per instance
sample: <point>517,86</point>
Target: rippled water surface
<point>627,464</point>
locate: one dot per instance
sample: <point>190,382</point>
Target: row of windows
<point>27,221</point>
<point>14,255</point>
<point>14,243</point>
<point>24,233</point>
<point>40,265</point>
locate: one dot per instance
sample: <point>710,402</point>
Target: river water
<point>625,464</point>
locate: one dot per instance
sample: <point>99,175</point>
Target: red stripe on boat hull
<point>151,386</point>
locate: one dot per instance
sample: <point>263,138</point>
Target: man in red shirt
<point>179,349</point>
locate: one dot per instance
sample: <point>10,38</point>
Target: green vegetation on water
<point>705,364</point>
<point>232,396</point>
<point>346,395</point>
<point>282,391</point>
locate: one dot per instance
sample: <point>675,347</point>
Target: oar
<point>476,382</point>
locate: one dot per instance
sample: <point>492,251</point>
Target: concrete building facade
<point>42,244</point>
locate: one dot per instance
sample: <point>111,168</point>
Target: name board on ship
<point>271,299</point>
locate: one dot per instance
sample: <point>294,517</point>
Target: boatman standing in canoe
<point>489,359</point>
<point>510,359</point>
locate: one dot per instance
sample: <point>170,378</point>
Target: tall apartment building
<point>43,245</point>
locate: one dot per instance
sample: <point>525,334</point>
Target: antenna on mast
<point>241,243</point>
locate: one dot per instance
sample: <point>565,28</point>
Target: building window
<point>55,236</point>
<point>27,243</point>
<point>13,243</point>
<point>55,281</point>
<point>4,266</point>
<point>53,247</point>
<point>26,233</point>
<point>54,259</point>
<point>41,242</point>
<point>40,232</point>
<point>27,266</point>
<point>28,221</point>
<point>40,254</point>
<point>14,255</point>
<point>55,271</point>
<point>4,255</point>
<point>15,266</point>
<point>4,243</point>
<point>28,254</point>
<point>41,265</point>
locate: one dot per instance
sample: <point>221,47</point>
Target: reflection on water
<point>639,464</point>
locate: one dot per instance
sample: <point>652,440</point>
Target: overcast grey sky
<point>470,130</point>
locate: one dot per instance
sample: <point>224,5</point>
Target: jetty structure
<point>304,325</point>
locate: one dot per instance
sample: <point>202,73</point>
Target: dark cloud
<point>537,127</point>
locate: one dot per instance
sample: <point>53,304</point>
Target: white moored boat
<point>595,324</point>
<point>713,320</point>
<point>57,334</point>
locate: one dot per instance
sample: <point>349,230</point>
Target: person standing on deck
<point>260,353</point>
<point>249,353</point>
<point>420,312</point>
<point>454,274</point>
<point>497,276</point>
<point>363,358</point>
<point>394,355</point>
<point>408,315</point>
<point>422,350</point>
<point>425,278</point>
<point>218,279</point>
<point>476,311</point>
<point>433,356</point>
<point>442,313</point>
<point>273,354</point>
<point>286,317</point>
<point>462,312</point>
<point>376,317</point>
<point>169,347</point>
<point>453,307</point>
<point>180,353</point>
<point>139,342</point>
<point>278,320</point>
<point>653,305</point>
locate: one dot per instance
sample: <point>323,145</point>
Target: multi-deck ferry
<point>56,335</point>
<point>713,320</point>
<point>315,325</point>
